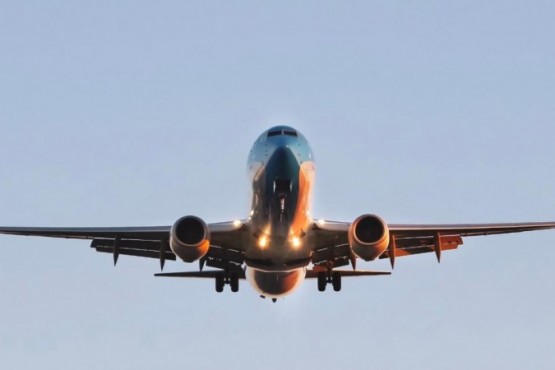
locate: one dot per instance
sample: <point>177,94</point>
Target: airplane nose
<point>284,159</point>
<point>284,153</point>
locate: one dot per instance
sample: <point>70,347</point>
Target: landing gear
<point>221,280</point>
<point>336,281</point>
<point>322,281</point>
<point>234,283</point>
<point>334,278</point>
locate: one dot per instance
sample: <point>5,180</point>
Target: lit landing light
<point>237,223</point>
<point>296,242</point>
<point>263,242</point>
<point>321,222</point>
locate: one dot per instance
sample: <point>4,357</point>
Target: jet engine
<point>368,237</point>
<point>190,238</point>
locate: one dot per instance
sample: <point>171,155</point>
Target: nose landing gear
<point>333,278</point>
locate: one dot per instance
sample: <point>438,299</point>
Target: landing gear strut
<point>322,281</point>
<point>221,280</point>
<point>336,281</point>
<point>333,278</point>
<point>234,283</point>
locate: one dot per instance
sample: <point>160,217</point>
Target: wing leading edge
<point>227,240</point>
<point>332,238</point>
<point>137,233</point>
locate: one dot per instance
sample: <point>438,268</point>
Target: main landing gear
<point>232,279</point>
<point>333,278</point>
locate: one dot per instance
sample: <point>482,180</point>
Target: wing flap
<point>312,274</point>
<point>132,247</point>
<point>410,246</point>
<point>198,274</point>
<point>468,229</point>
<point>145,245</point>
<point>229,255</point>
<point>136,252</point>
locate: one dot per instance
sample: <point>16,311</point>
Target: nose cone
<point>282,150</point>
<point>284,160</point>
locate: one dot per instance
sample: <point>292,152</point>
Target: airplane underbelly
<point>275,284</point>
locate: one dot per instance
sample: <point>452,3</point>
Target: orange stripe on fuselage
<point>302,218</point>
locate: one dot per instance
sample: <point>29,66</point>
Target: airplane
<point>279,244</point>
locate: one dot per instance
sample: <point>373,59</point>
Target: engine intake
<point>368,237</point>
<point>190,238</point>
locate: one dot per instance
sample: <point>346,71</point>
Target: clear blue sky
<point>136,113</point>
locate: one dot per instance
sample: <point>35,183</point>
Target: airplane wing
<point>332,239</point>
<point>150,241</point>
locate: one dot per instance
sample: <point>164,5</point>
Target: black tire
<point>322,281</point>
<point>336,281</point>
<point>220,282</point>
<point>234,283</point>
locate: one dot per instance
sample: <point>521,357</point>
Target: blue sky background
<point>137,113</point>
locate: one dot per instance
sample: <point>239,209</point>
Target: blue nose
<point>284,160</point>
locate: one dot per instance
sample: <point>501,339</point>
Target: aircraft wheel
<point>336,281</point>
<point>234,283</point>
<point>322,281</point>
<point>220,282</point>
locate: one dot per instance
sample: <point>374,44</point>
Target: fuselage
<point>281,170</point>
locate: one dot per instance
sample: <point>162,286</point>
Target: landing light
<point>321,222</point>
<point>296,242</point>
<point>263,242</point>
<point>237,223</point>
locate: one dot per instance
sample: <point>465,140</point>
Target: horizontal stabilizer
<point>198,274</point>
<point>311,274</point>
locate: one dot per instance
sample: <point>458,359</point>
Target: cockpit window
<point>282,132</point>
<point>290,133</point>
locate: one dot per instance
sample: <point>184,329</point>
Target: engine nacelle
<point>190,238</point>
<point>369,237</point>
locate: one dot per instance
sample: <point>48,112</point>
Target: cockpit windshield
<point>282,132</point>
